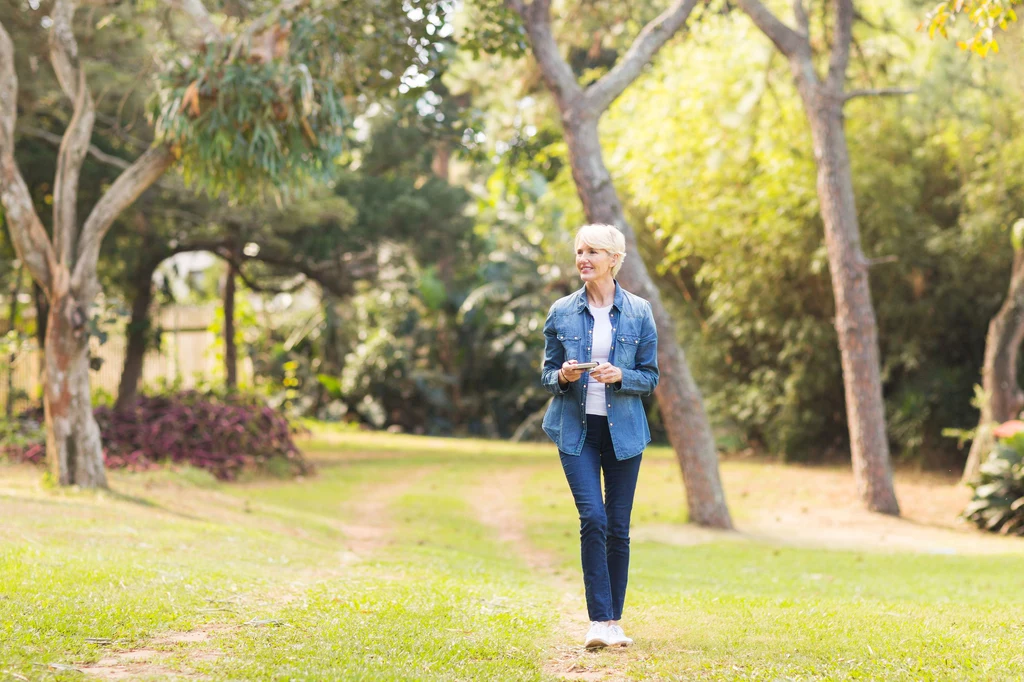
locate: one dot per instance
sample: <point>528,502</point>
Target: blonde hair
<point>606,237</point>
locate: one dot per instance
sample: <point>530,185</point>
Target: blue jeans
<point>604,524</point>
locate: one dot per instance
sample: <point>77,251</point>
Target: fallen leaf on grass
<point>260,622</point>
<point>58,666</point>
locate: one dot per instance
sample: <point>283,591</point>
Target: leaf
<point>1017,234</point>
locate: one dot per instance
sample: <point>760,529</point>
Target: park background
<point>355,236</point>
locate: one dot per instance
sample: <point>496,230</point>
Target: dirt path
<point>151,661</point>
<point>369,528</point>
<point>497,501</point>
<point>818,507</point>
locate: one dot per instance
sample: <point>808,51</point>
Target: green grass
<point>268,570</point>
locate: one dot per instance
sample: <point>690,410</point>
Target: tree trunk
<point>74,450</point>
<point>230,350</point>
<point>12,316</point>
<point>823,100</point>
<point>42,313</point>
<point>855,314</point>
<point>1003,397</point>
<point>138,335</point>
<point>681,403</point>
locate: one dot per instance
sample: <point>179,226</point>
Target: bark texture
<point>823,101</point>
<point>1003,396</point>
<point>681,403</point>
<point>73,447</point>
<point>138,334</point>
<point>12,324</point>
<point>230,348</point>
<point>64,268</point>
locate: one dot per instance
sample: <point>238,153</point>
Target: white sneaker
<point>598,636</point>
<point>618,637</point>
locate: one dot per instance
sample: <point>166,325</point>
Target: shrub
<point>998,503</point>
<point>23,439</point>
<point>224,435</point>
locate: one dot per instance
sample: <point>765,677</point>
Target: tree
<point>1001,398</point>
<point>249,114</point>
<point>984,15</point>
<point>580,109</point>
<point>824,100</point>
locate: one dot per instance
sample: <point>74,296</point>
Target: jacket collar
<point>581,298</point>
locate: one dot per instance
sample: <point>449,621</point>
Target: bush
<point>224,435</point>
<point>998,503</point>
<point>23,439</point>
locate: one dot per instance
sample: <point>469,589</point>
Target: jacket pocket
<point>571,344</point>
<point>625,350</point>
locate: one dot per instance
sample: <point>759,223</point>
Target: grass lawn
<point>436,559</point>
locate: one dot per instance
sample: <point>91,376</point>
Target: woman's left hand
<point>607,373</point>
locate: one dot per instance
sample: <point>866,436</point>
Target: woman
<point>597,419</point>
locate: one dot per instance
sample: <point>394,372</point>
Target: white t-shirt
<point>601,346</point>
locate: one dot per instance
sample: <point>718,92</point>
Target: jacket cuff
<point>551,382</point>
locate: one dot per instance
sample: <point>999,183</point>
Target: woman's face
<point>593,264</point>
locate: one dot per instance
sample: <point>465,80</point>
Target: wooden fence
<point>188,354</point>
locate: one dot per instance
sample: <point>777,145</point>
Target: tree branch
<point>200,16</point>
<point>169,182</point>
<point>260,23</point>
<point>94,151</point>
<point>557,73</point>
<point>879,92</point>
<point>332,276</point>
<point>840,57</point>
<point>788,41</point>
<point>262,289</point>
<point>651,38</point>
<point>803,22</point>
<point>75,145</point>
<point>146,170</point>
<point>27,232</point>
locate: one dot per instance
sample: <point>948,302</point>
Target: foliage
<point>263,113</point>
<point>224,434</point>
<point>23,439</point>
<point>998,502</point>
<point>723,182</point>
<point>244,128</point>
<point>983,15</point>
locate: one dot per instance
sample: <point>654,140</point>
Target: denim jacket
<point>567,334</point>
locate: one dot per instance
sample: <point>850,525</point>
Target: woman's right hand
<point>569,372</point>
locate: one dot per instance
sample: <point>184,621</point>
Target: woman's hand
<point>607,373</point>
<point>569,372</point>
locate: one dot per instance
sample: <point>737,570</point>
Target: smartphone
<point>585,365</point>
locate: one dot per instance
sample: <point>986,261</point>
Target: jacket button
<point>609,404</point>
<point>610,424</point>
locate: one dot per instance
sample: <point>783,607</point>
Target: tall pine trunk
<point>823,101</point>
<point>581,108</point>
<point>855,314</point>
<point>679,398</point>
